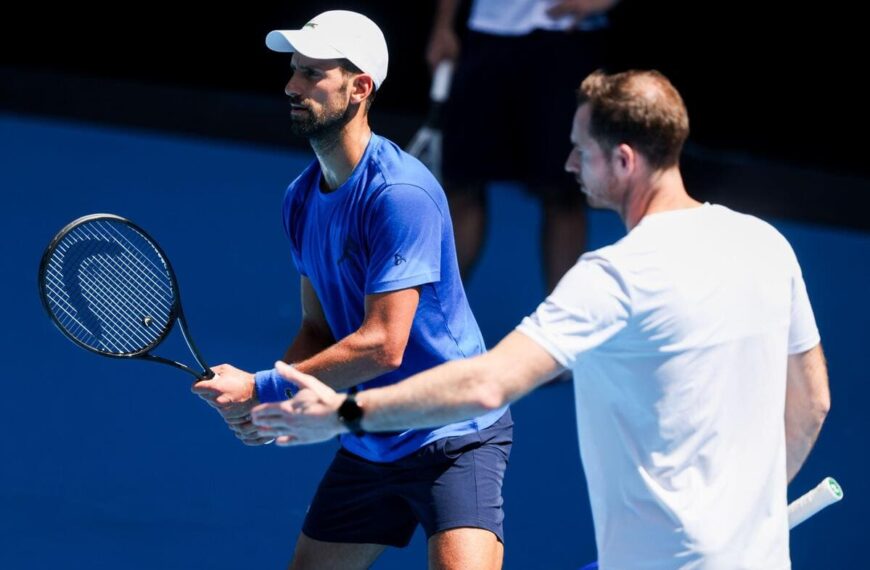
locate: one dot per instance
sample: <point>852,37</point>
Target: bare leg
<point>563,238</point>
<point>465,549</point>
<point>468,211</point>
<point>317,555</point>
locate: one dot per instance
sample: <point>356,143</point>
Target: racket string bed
<point>114,311</point>
<point>118,296</point>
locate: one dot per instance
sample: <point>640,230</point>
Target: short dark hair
<point>639,108</point>
<point>348,68</point>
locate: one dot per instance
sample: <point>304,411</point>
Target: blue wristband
<point>271,386</point>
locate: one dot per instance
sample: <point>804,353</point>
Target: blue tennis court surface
<point>111,464</point>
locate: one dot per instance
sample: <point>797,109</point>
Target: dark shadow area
<point>776,127</point>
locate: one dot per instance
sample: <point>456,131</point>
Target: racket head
<point>108,286</point>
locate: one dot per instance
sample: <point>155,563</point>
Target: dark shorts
<point>450,483</point>
<point>511,106</point>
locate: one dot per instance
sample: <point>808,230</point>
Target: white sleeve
<point>589,306</point>
<point>802,331</point>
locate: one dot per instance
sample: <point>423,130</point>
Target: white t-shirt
<point>519,17</point>
<point>678,337</point>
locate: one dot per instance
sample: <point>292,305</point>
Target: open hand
<point>309,417</point>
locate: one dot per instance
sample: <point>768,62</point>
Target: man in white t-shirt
<point>699,378</point>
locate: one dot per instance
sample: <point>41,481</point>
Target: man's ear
<point>624,159</point>
<point>361,88</point>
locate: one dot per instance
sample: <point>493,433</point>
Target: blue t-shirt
<point>386,228</point>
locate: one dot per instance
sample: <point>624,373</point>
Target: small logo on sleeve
<point>398,259</point>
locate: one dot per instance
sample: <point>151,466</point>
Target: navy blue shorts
<point>450,483</point>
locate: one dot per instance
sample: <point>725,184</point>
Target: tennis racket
<point>107,285</point>
<point>426,142</point>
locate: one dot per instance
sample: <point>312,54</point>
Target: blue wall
<point>111,464</point>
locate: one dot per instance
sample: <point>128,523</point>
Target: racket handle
<point>825,493</point>
<point>441,81</point>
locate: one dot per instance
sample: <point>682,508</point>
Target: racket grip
<point>825,493</point>
<point>441,81</point>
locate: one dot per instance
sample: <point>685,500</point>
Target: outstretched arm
<point>454,391</point>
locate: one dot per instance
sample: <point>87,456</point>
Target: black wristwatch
<point>351,414</point>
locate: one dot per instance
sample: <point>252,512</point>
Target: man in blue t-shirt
<point>371,235</point>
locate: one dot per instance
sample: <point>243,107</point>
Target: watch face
<point>350,414</point>
<point>350,410</point>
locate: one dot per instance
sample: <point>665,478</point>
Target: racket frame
<point>176,313</point>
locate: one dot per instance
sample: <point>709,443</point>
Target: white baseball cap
<point>338,34</point>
